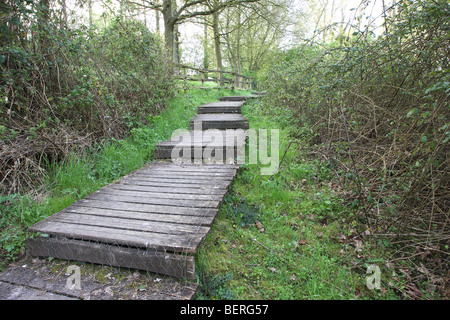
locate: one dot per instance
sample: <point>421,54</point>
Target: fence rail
<point>238,81</point>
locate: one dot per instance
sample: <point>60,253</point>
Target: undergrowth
<point>292,235</point>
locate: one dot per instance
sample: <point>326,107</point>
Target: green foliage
<point>379,110</point>
<point>72,88</point>
<point>379,101</point>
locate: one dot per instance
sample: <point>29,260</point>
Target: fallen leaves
<point>259,225</point>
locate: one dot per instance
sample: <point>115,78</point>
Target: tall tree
<point>173,16</point>
<point>217,48</point>
<point>251,30</point>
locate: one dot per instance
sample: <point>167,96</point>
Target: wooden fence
<point>236,81</point>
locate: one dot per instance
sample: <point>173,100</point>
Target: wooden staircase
<point>155,218</point>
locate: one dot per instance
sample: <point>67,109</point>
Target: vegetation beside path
<point>81,174</point>
<point>292,235</point>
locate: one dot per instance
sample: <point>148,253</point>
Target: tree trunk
<point>64,14</point>
<point>238,49</point>
<point>176,40</point>
<point>158,28</point>
<point>176,45</point>
<point>170,30</point>
<point>168,26</point>
<point>90,13</point>
<point>205,47</point>
<point>217,47</point>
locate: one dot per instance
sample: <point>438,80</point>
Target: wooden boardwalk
<point>154,218</point>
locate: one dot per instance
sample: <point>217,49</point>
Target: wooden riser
<point>221,125</point>
<point>206,110</point>
<point>166,153</point>
<point>218,121</point>
<point>221,107</point>
<point>236,98</point>
<point>176,265</point>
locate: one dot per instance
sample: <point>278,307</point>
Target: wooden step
<point>153,219</point>
<point>221,107</point>
<point>218,121</point>
<point>230,143</point>
<point>176,265</point>
<point>236,98</point>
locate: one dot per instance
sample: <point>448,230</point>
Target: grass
<point>286,236</point>
<point>79,175</point>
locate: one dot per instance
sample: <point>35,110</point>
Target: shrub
<point>380,106</point>
<point>65,90</point>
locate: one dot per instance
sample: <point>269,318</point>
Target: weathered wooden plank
<point>160,195</point>
<point>217,145</point>
<point>175,167</point>
<point>173,218</point>
<point>179,176</point>
<point>170,191</point>
<point>171,165</point>
<point>236,98</point>
<point>180,181</point>
<point>166,184</point>
<point>221,109</point>
<point>193,168</point>
<point>99,195</point>
<point>186,174</point>
<point>218,117</point>
<point>129,224</point>
<point>196,135</point>
<point>10,291</point>
<point>221,125</point>
<point>214,141</point>
<point>141,239</point>
<point>139,207</point>
<point>224,104</point>
<point>194,187</point>
<point>202,152</point>
<point>177,265</point>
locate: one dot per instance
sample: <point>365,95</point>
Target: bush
<point>380,106</point>
<point>64,90</point>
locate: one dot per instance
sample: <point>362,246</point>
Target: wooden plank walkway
<point>154,218</point>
